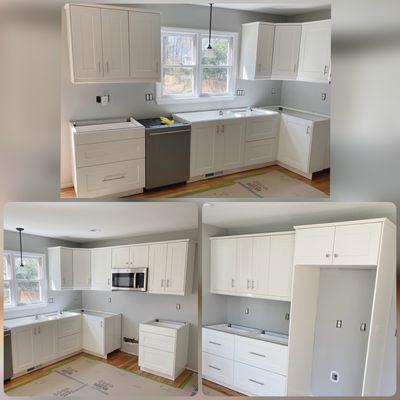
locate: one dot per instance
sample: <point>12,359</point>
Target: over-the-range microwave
<point>129,279</point>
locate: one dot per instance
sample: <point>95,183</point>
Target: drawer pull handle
<point>257,354</point>
<point>212,366</point>
<point>113,178</point>
<point>254,381</point>
<point>217,344</point>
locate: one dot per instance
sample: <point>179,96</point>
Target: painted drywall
<point>141,307</point>
<point>79,101</point>
<point>63,300</point>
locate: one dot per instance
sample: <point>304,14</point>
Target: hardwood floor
<point>221,389</point>
<point>321,182</point>
<point>117,359</point>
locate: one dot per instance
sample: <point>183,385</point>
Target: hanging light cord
<point>209,30</point>
<point>20,244</point>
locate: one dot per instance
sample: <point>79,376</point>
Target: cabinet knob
<point>336,255</point>
<point>327,255</point>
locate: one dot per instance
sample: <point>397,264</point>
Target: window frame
<point>199,97</point>
<point>43,286</point>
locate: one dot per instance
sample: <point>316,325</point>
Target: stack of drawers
<point>69,335</point>
<point>251,366</point>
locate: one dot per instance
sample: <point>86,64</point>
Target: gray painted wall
<point>79,101</point>
<point>67,299</point>
<point>141,307</point>
<point>310,16</point>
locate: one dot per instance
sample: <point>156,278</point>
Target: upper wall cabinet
<point>130,256</point>
<point>113,44</point>
<point>256,50</point>
<point>286,51</point>
<point>315,51</point>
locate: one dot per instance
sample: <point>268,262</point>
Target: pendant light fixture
<point>20,244</point>
<point>209,47</point>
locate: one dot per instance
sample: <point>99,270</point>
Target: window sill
<point>24,307</point>
<point>193,100</point>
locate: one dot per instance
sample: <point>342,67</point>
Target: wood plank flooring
<point>117,359</point>
<point>321,182</point>
<point>222,389</point>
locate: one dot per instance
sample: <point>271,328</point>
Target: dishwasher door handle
<point>167,132</point>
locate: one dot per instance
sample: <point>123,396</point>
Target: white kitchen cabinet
<point>163,347</point>
<point>101,333</point>
<point>45,342</point>
<point>101,268</point>
<point>257,50</point>
<point>69,335</point>
<point>136,256</point>
<point>60,268</point>
<point>262,127</point>
<point>145,45</point>
<point>304,144</point>
<point>229,146</point>
<point>108,44</point>
<point>260,152</point>
<point>81,268</point>
<point>286,51</point>
<point>115,38</point>
<point>315,51</point>
<point>202,149</point>
<point>171,267</point>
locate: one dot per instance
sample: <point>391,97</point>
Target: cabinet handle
<point>325,69</point>
<point>34,331</point>
<point>99,66</point>
<point>157,67</point>
<point>162,282</point>
<point>252,284</point>
<point>212,366</point>
<point>223,129</point>
<point>257,354</point>
<point>308,130</point>
<point>101,324</point>
<point>327,255</point>
<point>167,283</point>
<point>217,344</point>
<point>336,255</point>
<point>248,284</point>
<point>108,281</point>
<point>258,383</point>
<point>259,67</point>
<point>217,128</point>
<point>113,178</point>
<point>107,66</point>
<point>233,282</point>
<point>39,330</point>
<point>294,67</point>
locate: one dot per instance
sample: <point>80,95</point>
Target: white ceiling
<point>73,220</point>
<point>245,215</point>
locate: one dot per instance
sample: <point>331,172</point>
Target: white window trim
<point>201,98</point>
<point>44,285</point>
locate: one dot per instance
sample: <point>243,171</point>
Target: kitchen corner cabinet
<point>171,267</point>
<point>256,50</point>
<point>112,44</point>
<point>257,266</point>
<point>101,268</point>
<point>315,52</point>
<point>304,144</point>
<point>136,256</point>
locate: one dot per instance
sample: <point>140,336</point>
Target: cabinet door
<point>244,264</point>
<point>22,348</point>
<point>115,35</point>
<point>93,334</point>
<point>314,246</point>
<point>232,134</point>
<point>45,342</point>
<point>101,269</point>
<point>145,44</point>
<point>286,51</point>
<point>139,256</point>
<point>157,267</point>
<point>281,266</point>
<point>265,47</point>
<point>223,265</point>
<point>260,265</point>
<point>66,270</point>
<point>357,244</point>
<point>295,142</point>
<point>86,42</point>
<point>315,51</point>
<point>265,127</point>
<point>176,268</point>
<point>120,257</point>
<point>81,268</point>
<point>202,149</point>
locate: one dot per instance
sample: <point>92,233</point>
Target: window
<point>24,285</point>
<point>189,71</point>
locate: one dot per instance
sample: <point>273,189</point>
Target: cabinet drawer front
<point>219,343</point>
<point>69,326</point>
<point>156,360</point>
<point>112,178</point>
<point>108,135</point>
<point>69,344</point>
<point>257,382</point>
<point>260,151</point>
<point>260,354</point>
<point>108,152</point>
<point>161,342</point>
<point>217,369</point>
<point>158,330</point>
<point>258,128</point>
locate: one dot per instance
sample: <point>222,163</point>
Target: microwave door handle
<point>134,280</point>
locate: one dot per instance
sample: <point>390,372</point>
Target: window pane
<point>178,49</point>
<point>30,270</point>
<point>28,292</point>
<point>7,271</point>
<point>178,81</point>
<point>215,80</point>
<point>7,293</point>
<point>220,53</point>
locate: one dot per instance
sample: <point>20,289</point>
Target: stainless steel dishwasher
<point>167,152</point>
<point>8,369</point>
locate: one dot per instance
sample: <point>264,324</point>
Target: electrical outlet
<point>323,96</point>
<point>334,376</point>
<point>149,97</point>
<point>178,306</point>
<point>50,300</point>
<point>240,92</point>
<point>103,100</point>
<point>339,323</point>
<point>247,310</point>
<point>287,316</point>
<point>273,91</point>
<point>109,299</point>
